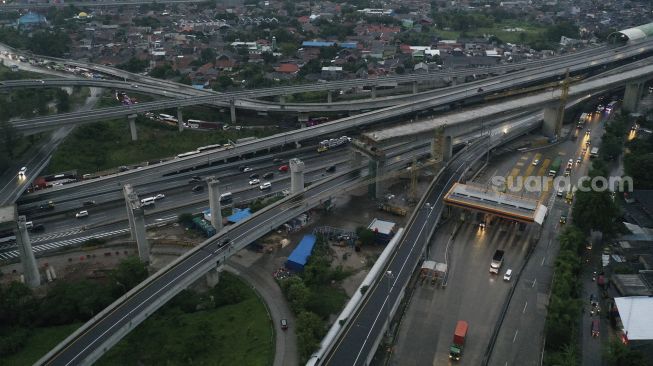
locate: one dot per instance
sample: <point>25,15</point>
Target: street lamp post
<point>389,276</point>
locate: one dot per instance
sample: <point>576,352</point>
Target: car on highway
<point>563,219</point>
<point>579,160</point>
<point>561,192</point>
<point>588,132</point>
<point>254,182</point>
<point>508,275</point>
<point>268,175</point>
<point>38,228</point>
<point>265,185</point>
<point>283,168</point>
<point>89,203</point>
<point>247,169</point>
<point>253,176</point>
<point>159,196</point>
<point>22,171</point>
<point>198,188</point>
<point>331,169</point>
<point>284,324</point>
<point>81,214</point>
<point>595,327</point>
<point>277,160</point>
<point>123,169</point>
<point>536,162</point>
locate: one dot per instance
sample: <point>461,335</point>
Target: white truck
<point>497,261</point>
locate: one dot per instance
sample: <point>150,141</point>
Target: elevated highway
<point>90,4</point>
<point>445,99</point>
<point>171,88</point>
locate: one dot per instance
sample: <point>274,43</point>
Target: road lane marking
<point>525,305</point>
<point>534,282</point>
<point>543,260</point>
<point>515,337</point>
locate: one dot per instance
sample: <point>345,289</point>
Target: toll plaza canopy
<point>500,204</point>
<point>632,34</point>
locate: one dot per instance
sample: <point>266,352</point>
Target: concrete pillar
<point>373,92</point>
<point>132,126</point>
<point>212,277</point>
<point>127,191</point>
<point>303,119</point>
<point>329,96</point>
<point>232,109</point>
<point>141,234</point>
<point>214,203</point>
<point>379,179</point>
<point>296,175</point>
<point>282,100</point>
<point>30,269</point>
<point>550,125</point>
<point>355,158</point>
<point>180,119</point>
<point>447,148</point>
<point>632,95</point>
<point>415,89</point>
<point>302,124</point>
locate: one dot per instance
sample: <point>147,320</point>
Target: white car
<point>536,162</point>
<point>22,171</point>
<point>264,186</point>
<point>508,275</point>
<point>159,196</point>
<point>81,214</point>
<point>254,182</point>
<point>247,169</point>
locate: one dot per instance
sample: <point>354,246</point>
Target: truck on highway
<point>459,335</point>
<point>594,152</point>
<point>555,167</point>
<point>497,261</point>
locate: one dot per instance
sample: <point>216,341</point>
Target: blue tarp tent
<point>240,215</point>
<point>299,256</point>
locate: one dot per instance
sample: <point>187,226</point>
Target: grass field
<point>105,145</point>
<point>39,343</point>
<point>238,334</point>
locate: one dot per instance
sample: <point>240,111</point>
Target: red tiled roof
<point>287,68</point>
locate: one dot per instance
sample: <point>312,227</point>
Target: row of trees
<point>46,42</point>
<point>21,309</point>
<point>313,299</point>
<point>638,163</point>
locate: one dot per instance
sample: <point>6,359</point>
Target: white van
<point>265,185</point>
<point>147,201</point>
<point>226,197</point>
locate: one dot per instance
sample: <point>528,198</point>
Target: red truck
<point>459,335</point>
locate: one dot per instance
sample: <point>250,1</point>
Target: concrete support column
<point>214,203</point>
<point>454,81</point>
<point>303,119</point>
<point>296,175</point>
<point>329,96</point>
<point>132,126</point>
<point>549,127</point>
<point>232,109</point>
<point>373,92</point>
<point>282,100</point>
<point>415,89</point>
<point>30,269</point>
<point>632,95</point>
<point>379,179</point>
<point>355,158</point>
<point>447,148</point>
<point>141,234</point>
<point>212,277</point>
<point>180,119</point>
<point>127,191</point>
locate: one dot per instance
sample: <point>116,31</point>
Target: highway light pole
<point>389,277</point>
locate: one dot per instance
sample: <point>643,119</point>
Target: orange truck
<point>459,335</point>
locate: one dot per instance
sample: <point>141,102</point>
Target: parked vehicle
<point>459,335</point>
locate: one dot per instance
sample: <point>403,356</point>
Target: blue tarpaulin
<point>298,258</point>
<point>240,215</point>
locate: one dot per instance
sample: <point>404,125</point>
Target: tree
<point>208,55</point>
<point>310,330</point>
<point>297,294</point>
<point>63,101</point>
<point>365,235</point>
<point>129,273</point>
<point>288,49</point>
<point>185,219</point>
<point>618,354</point>
<point>134,65</point>
<point>595,211</point>
<point>8,137</point>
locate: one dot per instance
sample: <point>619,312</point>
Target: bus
<point>610,107</point>
<point>194,123</point>
<point>167,118</point>
<point>208,147</point>
<point>190,153</point>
